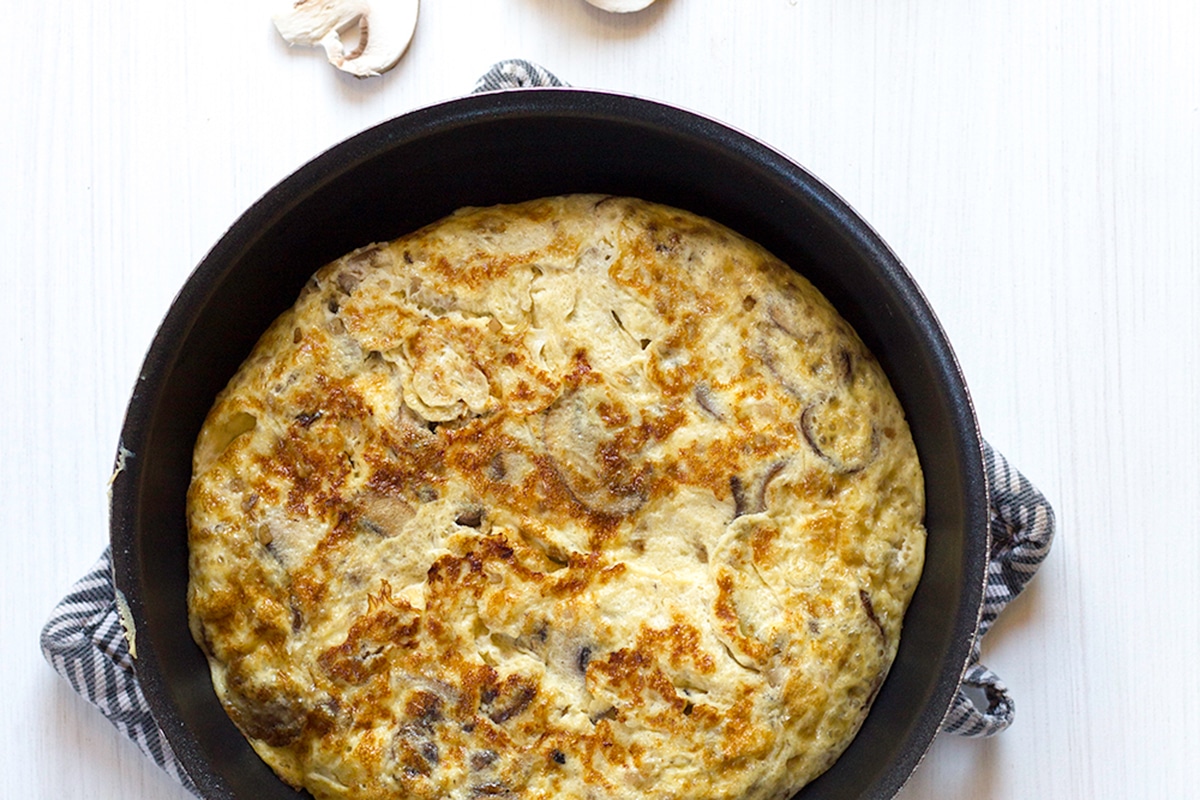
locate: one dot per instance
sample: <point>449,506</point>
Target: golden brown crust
<point>583,497</point>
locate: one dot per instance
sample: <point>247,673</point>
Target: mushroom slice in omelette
<point>584,497</point>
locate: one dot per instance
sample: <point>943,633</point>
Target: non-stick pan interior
<point>509,147</point>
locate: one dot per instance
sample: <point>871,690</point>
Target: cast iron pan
<point>508,147</point>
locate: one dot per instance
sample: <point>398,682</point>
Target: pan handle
<point>1021,529</point>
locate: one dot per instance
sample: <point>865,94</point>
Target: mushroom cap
<point>385,28</point>
<point>621,6</point>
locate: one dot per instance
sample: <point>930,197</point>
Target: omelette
<point>584,497</point>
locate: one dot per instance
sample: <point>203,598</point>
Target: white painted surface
<point>1036,163</point>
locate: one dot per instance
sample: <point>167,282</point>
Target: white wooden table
<point>1036,163</point>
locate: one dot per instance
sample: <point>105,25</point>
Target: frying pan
<point>507,147</point>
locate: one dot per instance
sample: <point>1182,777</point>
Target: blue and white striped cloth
<point>85,643</point>
<point>1022,529</point>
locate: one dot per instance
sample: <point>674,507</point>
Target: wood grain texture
<point>1035,163</point>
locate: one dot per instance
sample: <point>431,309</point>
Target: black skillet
<point>508,147</point>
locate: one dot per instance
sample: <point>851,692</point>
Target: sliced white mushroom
<point>384,28</point>
<point>583,439</point>
<point>621,6</point>
<point>840,430</point>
